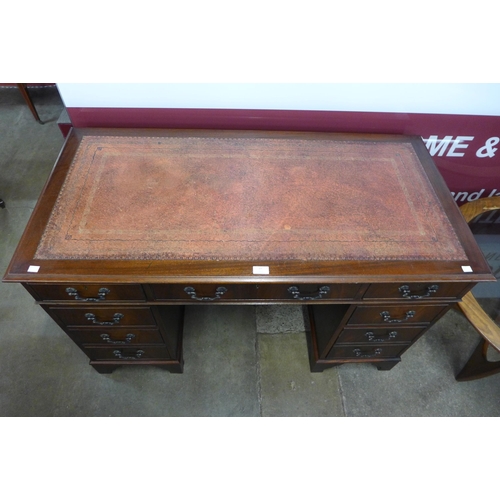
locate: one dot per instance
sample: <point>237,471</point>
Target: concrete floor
<point>239,361</point>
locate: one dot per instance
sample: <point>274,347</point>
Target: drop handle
<point>219,292</point>
<point>373,338</point>
<point>387,317</point>
<point>128,338</point>
<point>120,355</point>
<point>406,293</point>
<point>296,293</point>
<point>116,319</point>
<point>367,354</point>
<point>101,295</point>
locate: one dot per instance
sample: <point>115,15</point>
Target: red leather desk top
<point>247,199</point>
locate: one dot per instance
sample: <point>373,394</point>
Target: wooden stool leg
<point>478,365</point>
<point>24,91</point>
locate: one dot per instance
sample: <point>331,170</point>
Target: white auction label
<point>466,269</point>
<point>260,269</point>
<point>33,269</point>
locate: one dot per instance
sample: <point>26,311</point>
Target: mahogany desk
<point>135,225</point>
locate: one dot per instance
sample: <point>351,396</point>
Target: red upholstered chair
<point>478,365</point>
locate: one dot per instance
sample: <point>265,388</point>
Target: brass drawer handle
<point>387,317</point>
<point>129,337</point>
<point>294,290</point>
<point>406,292</point>
<point>372,338</point>
<point>119,355</point>
<point>116,319</point>
<point>101,295</point>
<point>219,292</point>
<point>367,354</point>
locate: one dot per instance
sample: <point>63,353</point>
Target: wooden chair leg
<point>24,91</point>
<point>478,365</point>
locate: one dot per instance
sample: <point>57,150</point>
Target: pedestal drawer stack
<point>113,325</point>
<point>379,328</point>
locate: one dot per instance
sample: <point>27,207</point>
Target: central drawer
<point>263,291</point>
<point>99,316</point>
<point>204,292</point>
<point>305,292</point>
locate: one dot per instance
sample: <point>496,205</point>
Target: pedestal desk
<point>133,226</point>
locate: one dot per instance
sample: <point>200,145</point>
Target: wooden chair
<point>478,365</point>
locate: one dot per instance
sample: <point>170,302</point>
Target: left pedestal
<point>114,325</point>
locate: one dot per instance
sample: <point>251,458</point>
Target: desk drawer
<point>203,292</point>
<point>365,352</point>
<point>109,336</point>
<point>127,353</point>
<point>416,291</point>
<point>262,291</point>
<point>88,293</point>
<point>395,315</point>
<point>103,316</point>
<point>379,335</point>
<point>307,292</point>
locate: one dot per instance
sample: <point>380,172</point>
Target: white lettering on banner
<point>458,144</point>
<point>434,146</point>
<point>488,150</point>
<point>439,146</point>
<point>466,196</point>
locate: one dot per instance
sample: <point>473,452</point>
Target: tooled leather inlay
<point>246,199</point>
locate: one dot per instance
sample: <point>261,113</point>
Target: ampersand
<point>488,149</point>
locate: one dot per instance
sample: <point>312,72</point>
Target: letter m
<point>438,146</point>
